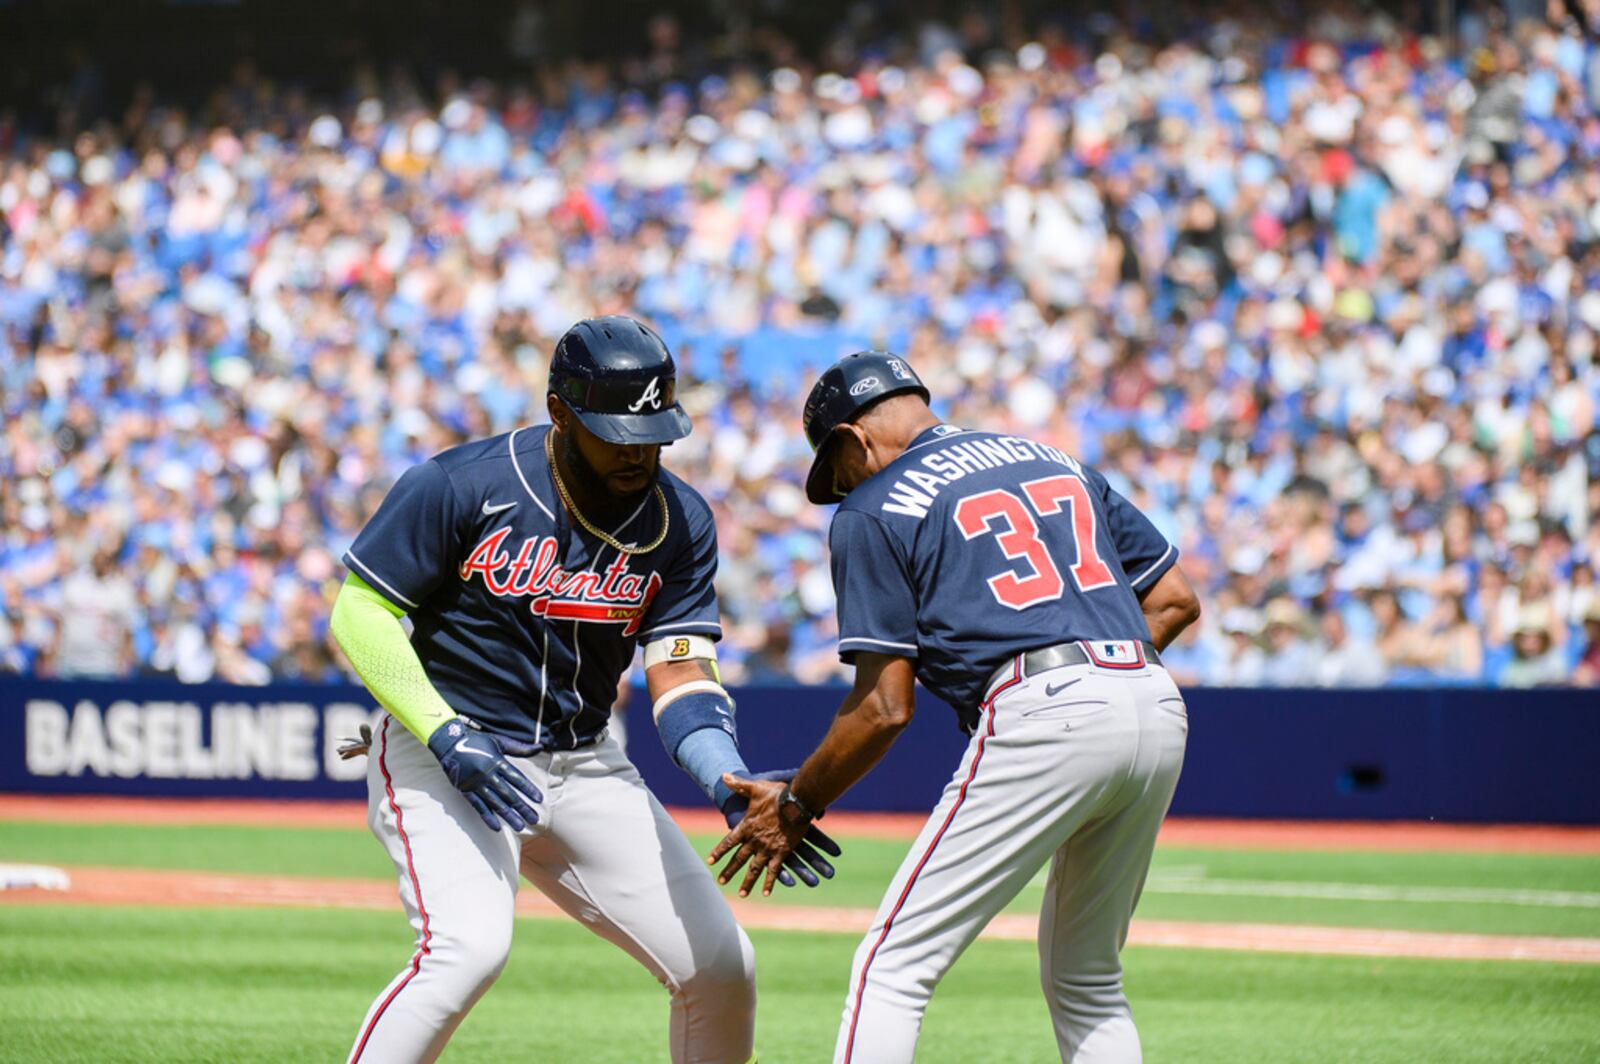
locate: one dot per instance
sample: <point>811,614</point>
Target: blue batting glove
<point>477,766</point>
<point>805,852</point>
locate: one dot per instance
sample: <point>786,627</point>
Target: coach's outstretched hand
<point>778,858</point>
<point>478,767</point>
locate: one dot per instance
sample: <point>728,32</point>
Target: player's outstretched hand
<point>477,766</point>
<point>762,840</point>
<point>805,856</point>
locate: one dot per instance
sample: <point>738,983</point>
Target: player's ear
<point>557,409</point>
<point>847,441</point>
<point>850,454</point>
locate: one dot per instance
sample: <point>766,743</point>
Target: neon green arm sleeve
<point>368,630</point>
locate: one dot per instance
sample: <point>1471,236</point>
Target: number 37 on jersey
<point>1013,519</point>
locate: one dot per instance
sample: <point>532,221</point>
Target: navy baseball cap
<point>844,390</point>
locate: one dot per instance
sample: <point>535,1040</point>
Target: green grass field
<point>1185,884</point>
<point>135,984</point>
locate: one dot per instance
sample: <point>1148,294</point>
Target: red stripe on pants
<point>416,887</point>
<point>972,772</point>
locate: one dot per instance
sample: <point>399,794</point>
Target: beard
<point>591,489</point>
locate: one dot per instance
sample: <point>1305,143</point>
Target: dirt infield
<point>122,886</point>
<point>1216,834</point>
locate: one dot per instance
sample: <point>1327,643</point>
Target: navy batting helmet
<point>618,377</point>
<point>844,390</point>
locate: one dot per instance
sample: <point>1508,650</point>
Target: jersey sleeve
<point>413,542</point>
<point>877,602</point>
<point>687,601</point>
<point>1144,552</point>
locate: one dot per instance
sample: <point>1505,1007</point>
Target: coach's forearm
<point>1169,607</point>
<point>872,717</point>
<point>367,628</point>
<point>857,740</point>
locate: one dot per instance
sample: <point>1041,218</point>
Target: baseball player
<point>530,566</point>
<point>1017,586</point>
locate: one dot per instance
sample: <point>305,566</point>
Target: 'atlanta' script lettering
<point>614,596</point>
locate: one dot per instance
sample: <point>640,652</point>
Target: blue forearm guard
<point>698,731</point>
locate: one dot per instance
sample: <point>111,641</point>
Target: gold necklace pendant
<point>604,537</point>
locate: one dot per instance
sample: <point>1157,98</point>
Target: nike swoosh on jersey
<point>490,511</point>
<point>1053,689</point>
<point>461,747</point>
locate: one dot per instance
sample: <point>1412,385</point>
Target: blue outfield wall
<point>1396,753</point>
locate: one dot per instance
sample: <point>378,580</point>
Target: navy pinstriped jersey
<point>523,620</point>
<point>972,547</point>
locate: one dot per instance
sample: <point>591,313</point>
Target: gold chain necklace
<point>604,537</point>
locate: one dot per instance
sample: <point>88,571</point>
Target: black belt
<point>1063,654</point>
<point>519,748</point>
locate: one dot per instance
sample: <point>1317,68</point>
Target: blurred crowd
<point>1323,304</point>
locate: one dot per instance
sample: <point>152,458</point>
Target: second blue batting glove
<point>477,766</point>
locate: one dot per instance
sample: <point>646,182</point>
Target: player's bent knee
<point>468,963</point>
<point>725,974</point>
<point>472,981</point>
<point>1085,994</point>
<point>903,987</point>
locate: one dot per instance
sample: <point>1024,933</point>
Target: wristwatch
<point>792,811</point>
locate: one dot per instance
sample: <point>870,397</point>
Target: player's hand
<point>762,839</point>
<point>805,857</point>
<point>477,766</point>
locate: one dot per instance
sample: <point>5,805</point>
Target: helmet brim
<point>630,430</point>
<point>821,485</point>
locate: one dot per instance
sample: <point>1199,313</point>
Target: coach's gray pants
<point>1076,766</point>
<point>604,850</point>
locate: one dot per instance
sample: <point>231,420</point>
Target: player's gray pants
<point>1075,765</point>
<point>604,850</point>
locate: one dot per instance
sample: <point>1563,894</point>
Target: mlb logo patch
<point>1115,653</point>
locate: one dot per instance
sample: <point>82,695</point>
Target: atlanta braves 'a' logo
<point>614,596</point>
<point>652,395</point>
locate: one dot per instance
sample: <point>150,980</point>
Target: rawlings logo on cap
<point>863,386</point>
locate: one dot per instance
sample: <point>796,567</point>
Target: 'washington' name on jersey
<point>523,620</point>
<point>972,547</point>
